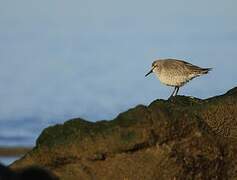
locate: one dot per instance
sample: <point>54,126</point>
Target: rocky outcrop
<point>181,138</point>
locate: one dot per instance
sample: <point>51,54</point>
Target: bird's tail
<point>205,70</point>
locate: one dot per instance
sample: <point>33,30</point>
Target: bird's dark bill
<point>149,73</point>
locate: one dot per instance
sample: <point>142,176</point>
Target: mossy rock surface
<point>181,138</point>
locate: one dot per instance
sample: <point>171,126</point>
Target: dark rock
<point>29,173</point>
<point>182,138</point>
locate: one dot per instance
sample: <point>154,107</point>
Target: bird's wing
<point>192,69</point>
<point>176,67</point>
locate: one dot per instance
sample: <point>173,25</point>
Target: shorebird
<point>176,73</point>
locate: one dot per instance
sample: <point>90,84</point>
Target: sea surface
<point>8,160</point>
<point>21,132</point>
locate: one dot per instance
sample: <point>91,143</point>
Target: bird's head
<point>153,66</point>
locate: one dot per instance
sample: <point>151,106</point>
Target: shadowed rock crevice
<point>181,138</point>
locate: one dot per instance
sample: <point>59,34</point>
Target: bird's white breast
<point>173,80</point>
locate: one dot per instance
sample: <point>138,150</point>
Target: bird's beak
<point>149,72</point>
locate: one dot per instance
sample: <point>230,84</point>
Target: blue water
<point>8,160</point>
<point>22,132</point>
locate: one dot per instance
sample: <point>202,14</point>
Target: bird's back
<point>175,72</point>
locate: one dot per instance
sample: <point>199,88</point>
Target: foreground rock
<point>183,138</point>
<point>29,173</point>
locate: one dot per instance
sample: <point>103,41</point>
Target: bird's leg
<point>173,92</point>
<point>176,91</point>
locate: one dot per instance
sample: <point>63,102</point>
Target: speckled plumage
<point>176,73</point>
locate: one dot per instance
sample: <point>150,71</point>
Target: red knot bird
<point>176,73</point>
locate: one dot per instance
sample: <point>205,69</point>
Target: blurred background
<point>86,58</point>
